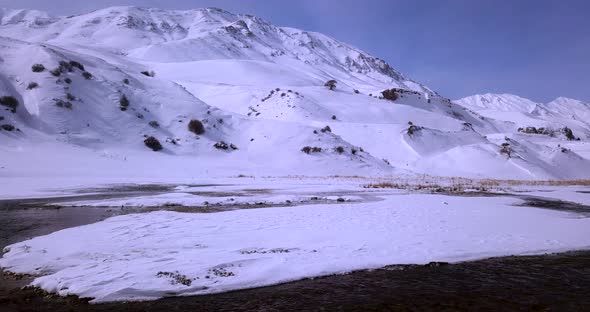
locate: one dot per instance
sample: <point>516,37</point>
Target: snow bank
<point>152,255</point>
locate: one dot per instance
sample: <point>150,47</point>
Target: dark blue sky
<point>535,49</point>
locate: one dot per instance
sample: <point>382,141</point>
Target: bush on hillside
<point>153,143</point>
<point>37,68</point>
<point>413,129</point>
<point>569,134</point>
<point>9,101</point>
<point>123,102</point>
<point>8,127</point>
<point>309,149</point>
<point>326,129</point>
<point>196,127</point>
<point>62,103</point>
<point>331,84</point>
<point>356,91</point>
<point>389,94</point>
<point>126,81</point>
<point>87,75</point>
<point>334,117</point>
<point>339,149</point>
<point>32,85</point>
<point>154,124</point>
<point>221,145</point>
<point>534,130</point>
<point>65,67</point>
<point>68,80</point>
<point>150,73</point>
<point>506,149</point>
<point>77,65</point>
<point>56,72</point>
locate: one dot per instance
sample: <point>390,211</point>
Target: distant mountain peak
<point>500,102</point>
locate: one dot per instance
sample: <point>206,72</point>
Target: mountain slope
<point>116,76</point>
<point>201,34</point>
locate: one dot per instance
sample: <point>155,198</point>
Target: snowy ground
<point>261,89</point>
<point>151,255</point>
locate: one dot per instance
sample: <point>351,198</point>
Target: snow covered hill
<point>555,115</point>
<point>83,96</point>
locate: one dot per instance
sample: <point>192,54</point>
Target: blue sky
<point>535,49</point>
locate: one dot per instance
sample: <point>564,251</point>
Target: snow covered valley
<point>147,153</point>
<point>283,230</point>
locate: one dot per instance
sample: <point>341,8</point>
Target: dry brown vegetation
<point>455,185</point>
<point>436,188</point>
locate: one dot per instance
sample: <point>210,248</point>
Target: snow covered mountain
<point>561,112</point>
<point>202,34</point>
<point>91,88</point>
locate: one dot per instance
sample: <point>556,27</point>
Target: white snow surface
<point>120,258</point>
